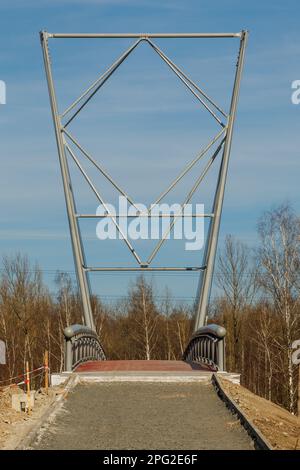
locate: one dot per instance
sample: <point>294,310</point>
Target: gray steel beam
<point>99,167</point>
<point>189,166</point>
<point>100,80</point>
<point>144,268</point>
<point>212,240</point>
<point>187,200</point>
<point>186,82</point>
<point>166,58</point>
<point>130,216</point>
<point>108,74</point>
<point>77,247</point>
<point>101,200</point>
<point>142,35</point>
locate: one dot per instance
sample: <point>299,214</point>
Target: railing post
<point>221,354</point>
<point>68,355</point>
<point>197,350</point>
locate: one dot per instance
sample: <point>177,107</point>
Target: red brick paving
<point>135,366</point>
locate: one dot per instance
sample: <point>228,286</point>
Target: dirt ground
<point>14,426</point>
<point>281,428</point>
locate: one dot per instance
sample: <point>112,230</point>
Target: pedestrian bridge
<point>144,404</point>
<point>106,410</point>
<point>205,351</point>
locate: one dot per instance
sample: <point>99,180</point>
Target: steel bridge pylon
<point>66,141</point>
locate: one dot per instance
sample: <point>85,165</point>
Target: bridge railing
<point>207,345</point>
<point>82,344</point>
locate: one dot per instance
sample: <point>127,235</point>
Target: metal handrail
<point>82,344</point>
<point>207,345</point>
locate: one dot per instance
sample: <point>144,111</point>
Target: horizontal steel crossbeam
<point>131,216</point>
<point>145,268</point>
<point>141,35</point>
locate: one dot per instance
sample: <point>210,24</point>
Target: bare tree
<point>236,277</point>
<point>263,333</point>
<point>279,260</point>
<point>144,316</point>
<point>24,306</point>
<point>166,310</point>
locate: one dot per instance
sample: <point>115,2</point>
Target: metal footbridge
<point>83,348</point>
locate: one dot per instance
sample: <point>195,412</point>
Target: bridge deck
<point>144,416</point>
<point>140,366</point>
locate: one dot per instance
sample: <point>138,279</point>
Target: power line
<point>124,273</point>
<point>126,296</point>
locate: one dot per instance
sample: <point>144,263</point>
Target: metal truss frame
<point>65,140</point>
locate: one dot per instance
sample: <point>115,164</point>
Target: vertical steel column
<point>214,227</point>
<point>77,247</point>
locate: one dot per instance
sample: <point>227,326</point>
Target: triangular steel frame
<point>66,143</point>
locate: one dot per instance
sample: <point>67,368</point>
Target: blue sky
<point>144,126</point>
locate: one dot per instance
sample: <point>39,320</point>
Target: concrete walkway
<point>144,416</point>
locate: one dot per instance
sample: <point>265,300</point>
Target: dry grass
<point>281,428</point>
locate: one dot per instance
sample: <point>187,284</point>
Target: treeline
<point>32,320</point>
<point>257,301</point>
<point>259,306</point>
